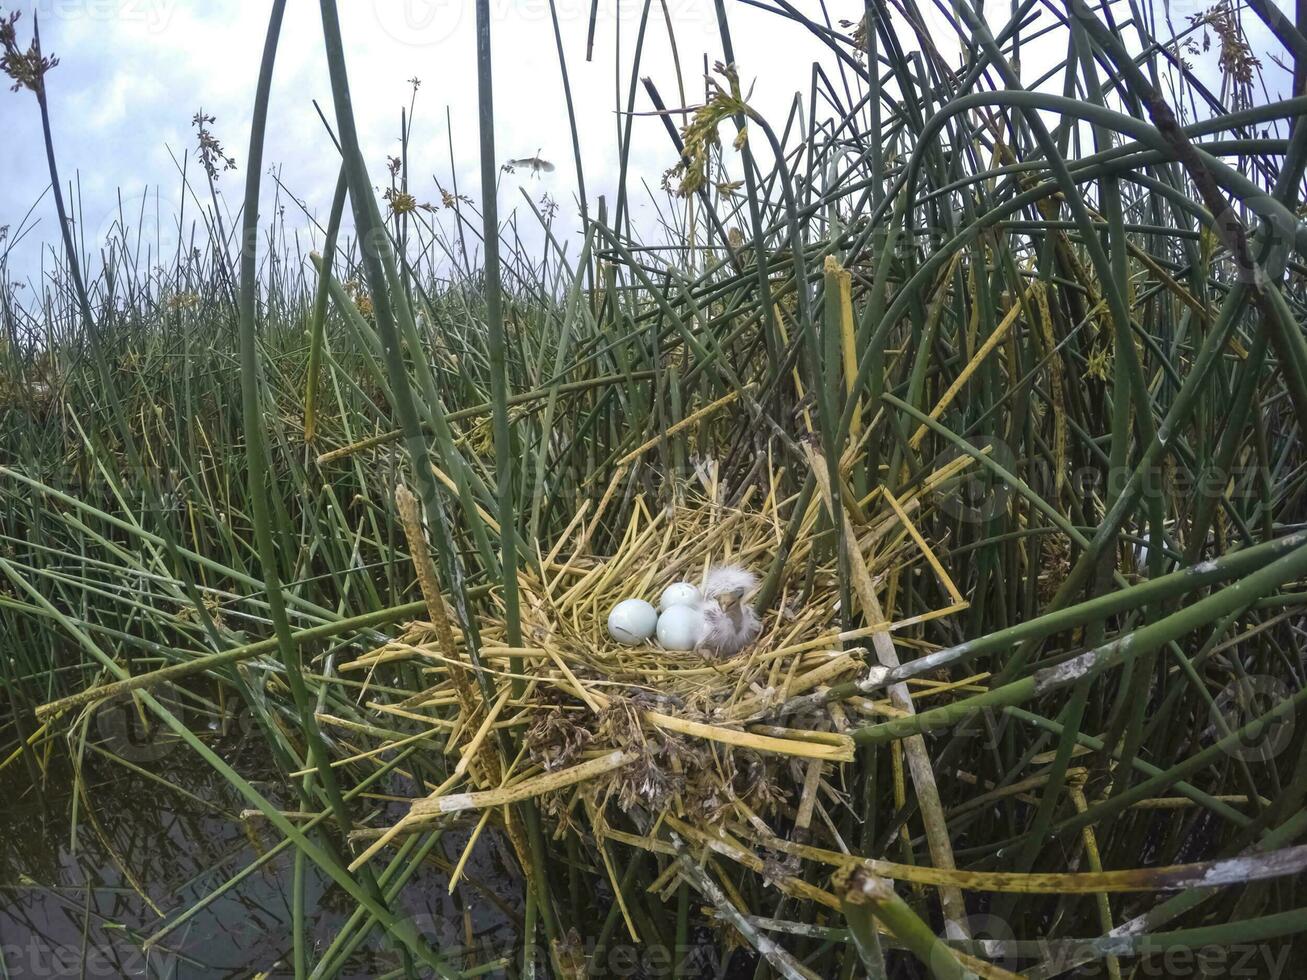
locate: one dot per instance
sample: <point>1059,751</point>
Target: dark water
<point>80,902</point>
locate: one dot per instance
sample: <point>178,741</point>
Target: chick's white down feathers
<point>729,624</point>
<point>723,580</point>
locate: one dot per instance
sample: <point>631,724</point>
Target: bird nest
<point>659,748</point>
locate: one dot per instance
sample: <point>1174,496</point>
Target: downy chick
<point>729,624</point>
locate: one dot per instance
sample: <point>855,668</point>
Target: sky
<point>133,73</point>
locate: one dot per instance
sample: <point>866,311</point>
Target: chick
<point>729,624</point>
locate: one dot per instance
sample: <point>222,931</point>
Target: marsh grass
<point>1016,364</point>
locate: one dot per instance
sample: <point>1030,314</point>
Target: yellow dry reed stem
<point>212,661</point>
<point>923,775</point>
<point>1075,789</point>
<point>469,752</point>
<point>246,815</point>
<point>720,843</point>
<point>398,712</point>
<point>384,836</point>
<point>361,728</point>
<point>843,281</point>
<point>546,783</point>
<point>828,671</point>
<point>960,382</point>
<point>598,822</point>
<point>795,375</point>
<point>807,799</point>
<point>467,850</point>
<point>420,552</point>
<point>759,743</point>
<point>833,747</point>
<point>1183,802</point>
<point>563,538</point>
<point>577,687</point>
<point>448,483</point>
<point>475,411</point>
<point>802,734</point>
<point>1018,789</point>
<point>926,551</point>
<point>667,879</point>
<point>618,474</point>
<point>653,845</point>
<point>25,744</point>
<point>373,753</point>
<point>1176,877</point>
<point>694,418</point>
<point>972,685</point>
<point>488,766</point>
<point>1056,384</point>
<point>398,650</point>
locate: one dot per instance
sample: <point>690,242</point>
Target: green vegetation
<point>997,382</point>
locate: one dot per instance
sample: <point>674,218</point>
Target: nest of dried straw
<point>670,744</point>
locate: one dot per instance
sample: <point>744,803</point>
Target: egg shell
<point>679,594</point>
<point>632,621</point>
<point>678,627</point>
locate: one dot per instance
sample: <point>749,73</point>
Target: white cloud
<point>133,72</point>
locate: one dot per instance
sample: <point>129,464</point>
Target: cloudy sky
<point>132,74</point>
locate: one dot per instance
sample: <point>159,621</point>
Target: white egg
<point>679,594</point>
<point>632,621</point>
<point>678,627</point>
